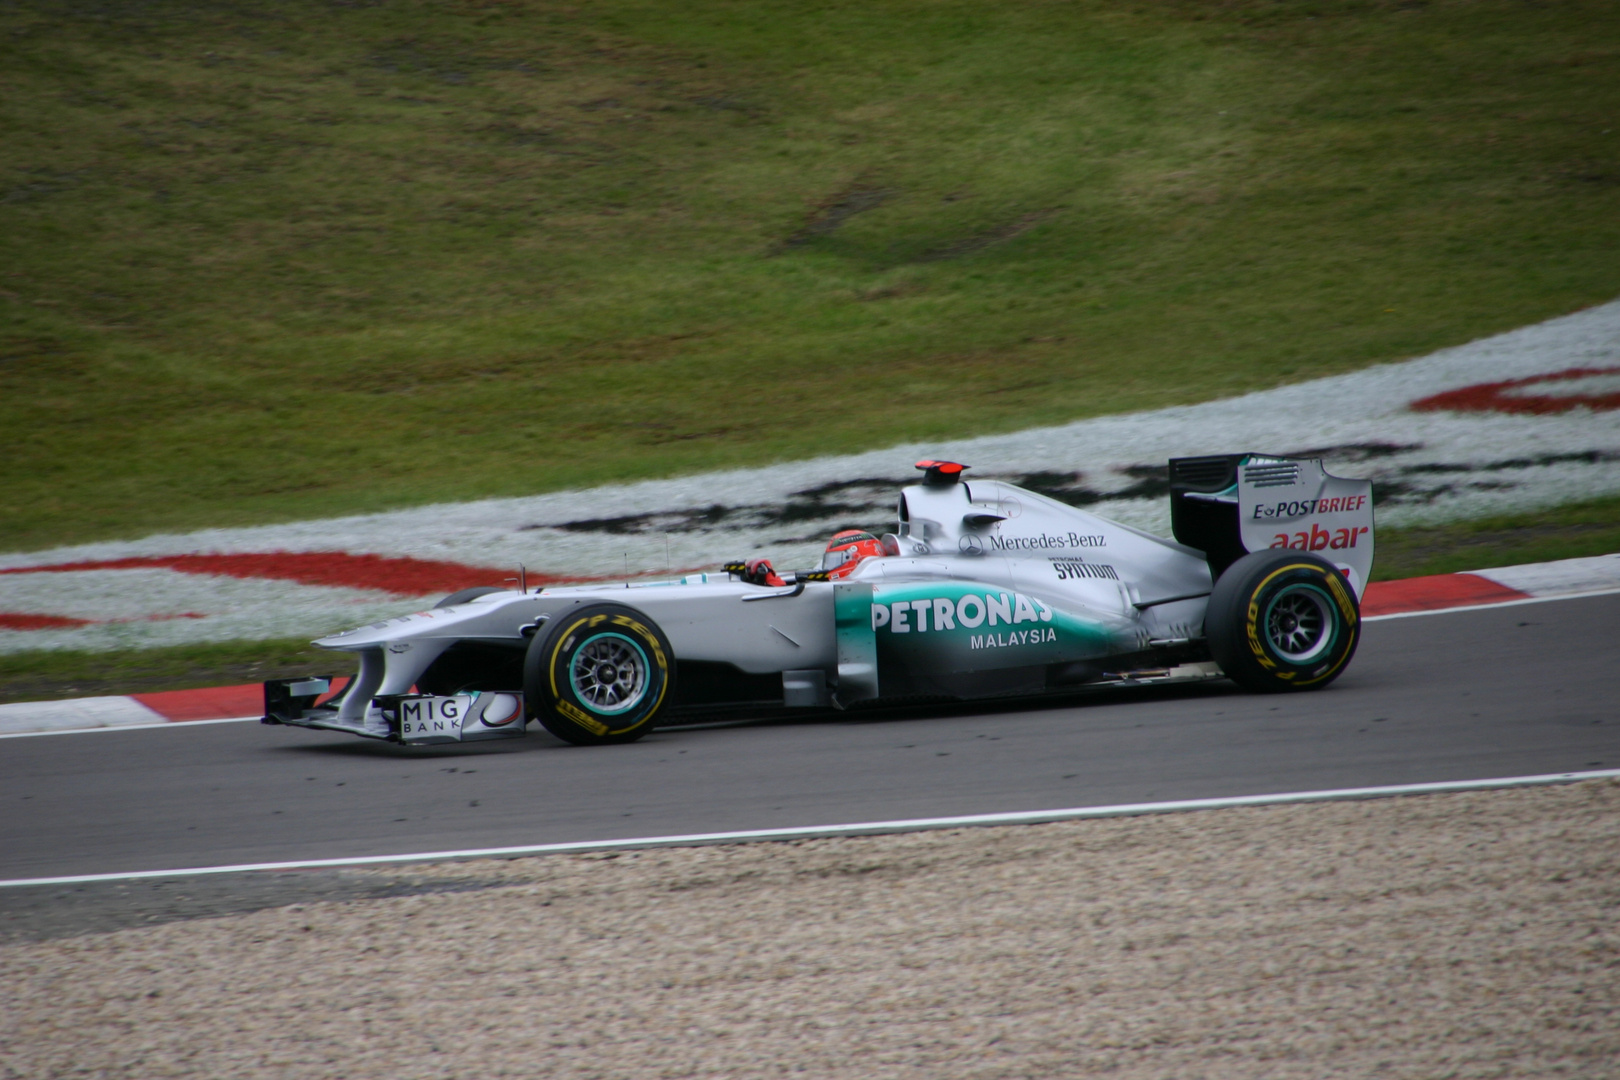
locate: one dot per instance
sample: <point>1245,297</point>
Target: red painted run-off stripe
<point>209,703</point>
<point>401,576</point>
<point>1497,396</point>
<point>213,702</point>
<point>18,620</point>
<point>1434,593</point>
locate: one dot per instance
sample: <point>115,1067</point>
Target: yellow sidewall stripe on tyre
<point>582,718</point>
<point>1341,596</point>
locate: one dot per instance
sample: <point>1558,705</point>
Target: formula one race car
<point>983,590</point>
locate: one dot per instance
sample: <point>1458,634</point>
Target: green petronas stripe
<point>941,614</point>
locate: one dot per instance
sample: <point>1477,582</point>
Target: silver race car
<point>983,590</point>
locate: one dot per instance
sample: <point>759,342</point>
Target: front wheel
<point>1282,620</point>
<point>602,675</point>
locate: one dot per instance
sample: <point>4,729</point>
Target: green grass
<point>44,676</point>
<point>263,262</point>
<point>1568,532</point>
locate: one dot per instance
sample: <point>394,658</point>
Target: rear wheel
<point>603,674</point>
<point>1282,620</point>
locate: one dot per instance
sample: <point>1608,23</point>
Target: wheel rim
<point>1299,624</point>
<point>609,674</point>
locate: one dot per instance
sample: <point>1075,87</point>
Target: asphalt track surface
<point>1465,694</point>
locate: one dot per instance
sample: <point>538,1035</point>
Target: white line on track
<point>865,828</point>
<point>160,726</point>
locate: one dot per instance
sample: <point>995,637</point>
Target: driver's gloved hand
<point>755,572</point>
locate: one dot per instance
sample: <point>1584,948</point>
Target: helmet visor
<point>832,560</point>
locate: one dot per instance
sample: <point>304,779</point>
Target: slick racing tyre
<point>1282,620</point>
<point>602,674</point>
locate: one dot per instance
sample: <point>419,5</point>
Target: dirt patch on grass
<point>972,245</point>
<point>1463,935</point>
<point>833,213</point>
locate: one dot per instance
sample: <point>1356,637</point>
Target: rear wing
<point>1227,505</point>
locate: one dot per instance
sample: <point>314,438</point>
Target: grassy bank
<point>1567,532</point>
<point>49,675</point>
<point>263,262</point>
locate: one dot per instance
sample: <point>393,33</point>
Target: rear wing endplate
<point>1227,505</point>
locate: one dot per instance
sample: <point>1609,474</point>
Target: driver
<point>846,550</point>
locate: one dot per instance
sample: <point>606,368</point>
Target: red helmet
<point>846,550</point>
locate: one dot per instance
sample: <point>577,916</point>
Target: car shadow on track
<point>539,740</point>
